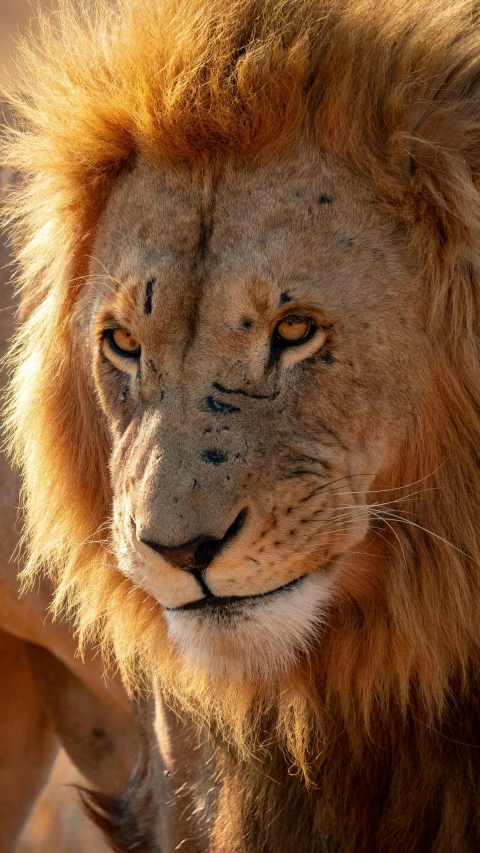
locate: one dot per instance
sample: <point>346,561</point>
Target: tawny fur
<point>391,93</point>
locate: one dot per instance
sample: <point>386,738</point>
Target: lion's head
<point>255,339</point>
<point>246,405</point>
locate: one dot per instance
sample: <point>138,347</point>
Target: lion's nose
<point>199,553</point>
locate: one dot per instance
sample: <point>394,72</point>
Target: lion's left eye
<point>294,330</point>
<point>124,342</point>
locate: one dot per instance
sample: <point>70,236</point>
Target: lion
<point>246,406</point>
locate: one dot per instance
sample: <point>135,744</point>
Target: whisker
<point>431,533</point>
<point>379,491</point>
<point>394,500</point>
<point>397,537</point>
<point>446,737</point>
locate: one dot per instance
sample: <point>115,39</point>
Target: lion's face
<point>256,339</point>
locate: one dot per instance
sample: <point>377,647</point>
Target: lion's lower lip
<point>223,602</point>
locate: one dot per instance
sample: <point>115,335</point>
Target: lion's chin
<point>261,637</point>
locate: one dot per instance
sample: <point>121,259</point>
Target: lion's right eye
<point>123,342</point>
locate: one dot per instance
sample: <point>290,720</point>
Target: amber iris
<point>125,342</point>
<point>293,330</point>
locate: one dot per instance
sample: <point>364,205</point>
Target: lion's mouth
<point>215,602</point>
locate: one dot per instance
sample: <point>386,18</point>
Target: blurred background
<point>57,823</point>
<point>15,16</point>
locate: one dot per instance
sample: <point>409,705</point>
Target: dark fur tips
<point>115,819</point>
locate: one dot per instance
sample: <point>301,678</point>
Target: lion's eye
<point>294,330</point>
<point>124,342</point>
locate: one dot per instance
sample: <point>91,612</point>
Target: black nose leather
<point>199,553</point>
<point>192,555</point>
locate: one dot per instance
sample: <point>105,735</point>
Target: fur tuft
<point>114,818</point>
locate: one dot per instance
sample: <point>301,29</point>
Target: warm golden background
<point>14,18</point>
<point>57,824</point>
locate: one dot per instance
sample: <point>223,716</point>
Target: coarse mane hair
<point>392,92</point>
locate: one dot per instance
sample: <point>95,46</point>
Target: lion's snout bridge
<point>192,487</point>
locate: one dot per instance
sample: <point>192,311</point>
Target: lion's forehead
<point>299,226</point>
<point>223,253</point>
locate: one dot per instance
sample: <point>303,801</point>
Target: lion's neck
<point>393,784</point>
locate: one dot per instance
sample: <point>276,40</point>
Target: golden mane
<point>390,90</point>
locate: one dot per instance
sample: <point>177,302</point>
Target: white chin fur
<point>261,638</point>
